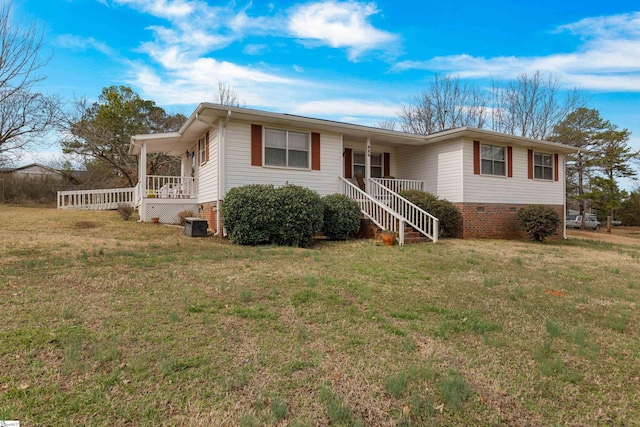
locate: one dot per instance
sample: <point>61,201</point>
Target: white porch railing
<point>95,199</point>
<point>181,187</point>
<point>380,214</point>
<point>416,217</point>
<point>397,185</point>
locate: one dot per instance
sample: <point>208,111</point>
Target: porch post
<point>142,171</point>
<point>367,165</point>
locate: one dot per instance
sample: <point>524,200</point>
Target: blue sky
<point>343,60</point>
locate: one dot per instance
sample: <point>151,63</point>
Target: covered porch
<point>158,196</point>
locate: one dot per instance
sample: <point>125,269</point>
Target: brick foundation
<point>496,221</point>
<point>209,212</point>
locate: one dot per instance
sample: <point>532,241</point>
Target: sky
<point>353,61</point>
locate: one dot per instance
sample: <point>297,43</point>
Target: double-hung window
<point>202,148</point>
<point>359,162</point>
<point>287,149</point>
<point>493,160</point>
<point>543,166</point>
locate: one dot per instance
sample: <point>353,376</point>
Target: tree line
<point>97,134</point>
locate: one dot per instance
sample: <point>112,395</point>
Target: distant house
<point>488,175</point>
<point>35,170</point>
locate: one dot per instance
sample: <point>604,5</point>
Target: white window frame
<point>202,150</point>
<point>264,149</point>
<point>543,166</point>
<point>364,166</point>
<point>506,161</point>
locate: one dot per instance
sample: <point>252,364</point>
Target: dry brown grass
<point>124,323</point>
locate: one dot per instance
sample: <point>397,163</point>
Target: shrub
<point>300,213</point>
<point>250,214</point>
<point>183,215</point>
<point>538,221</point>
<point>289,215</point>
<point>125,210</point>
<point>448,214</point>
<point>341,216</point>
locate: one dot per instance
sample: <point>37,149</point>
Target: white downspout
<point>222,142</point>
<point>367,165</point>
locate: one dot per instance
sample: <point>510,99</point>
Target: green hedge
<point>290,215</point>
<point>448,214</point>
<point>341,217</point>
<point>538,221</point>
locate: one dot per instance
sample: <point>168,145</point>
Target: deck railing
<point>380,214</point>
<point>170,187</point>
<point>397,185</point>
<point>95,199</point>
<point>416,217</point>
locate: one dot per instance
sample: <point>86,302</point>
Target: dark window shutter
<point>555,168</point>
<point>206,146</point>
<point>315,151</point>
<point>256,145</point>
<point>510,162</point>
<point>386,169</point>
<point>348,166</point>
<point>530,163</point>
<point>476,157</point>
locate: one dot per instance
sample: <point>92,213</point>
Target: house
<point>35,170</point>
<point>488,175</point>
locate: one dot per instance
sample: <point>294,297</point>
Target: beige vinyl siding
<point>375,148</point>
<point>240,172</point>
<point>518,189</point>
<point>208,173</point>
<point>438,165</point>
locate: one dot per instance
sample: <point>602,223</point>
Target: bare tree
<point>448,103</point>
<point>226,95</point>
<point>25,114</point>
<point>388,124</point>
<point>531,106</point>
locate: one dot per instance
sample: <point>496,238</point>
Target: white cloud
<point>69,41</point>
<point>340,25</point>
<point>608,59</point>
<point>298,69</point>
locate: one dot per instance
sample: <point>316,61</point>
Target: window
<point>493,160</point>
<point>286,149</point>
<point>543,166</point>
<point>359,164</point>
<point>202,149</point>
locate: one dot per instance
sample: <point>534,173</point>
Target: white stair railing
<point>96,199</point>
<point>380,214</point>
<point>416,217</point>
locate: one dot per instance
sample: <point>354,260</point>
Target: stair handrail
<point>379,213</point>
<point>415,216</point>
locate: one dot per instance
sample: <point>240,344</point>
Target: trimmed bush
<point>250,214</point>
<point>341,216</point>
<point>538,221</point>
<point>448,214</point>
<point>300,214</point>
<point>290,215</point>
<point>125,210</point>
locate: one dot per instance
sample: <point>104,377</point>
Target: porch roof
<point>208,114</point>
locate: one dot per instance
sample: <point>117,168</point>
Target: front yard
<point>106,322</point>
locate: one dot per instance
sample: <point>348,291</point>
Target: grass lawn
<point>105,322</point>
